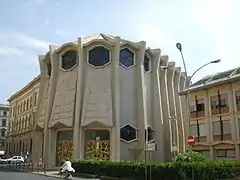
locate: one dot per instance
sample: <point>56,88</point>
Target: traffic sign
<point>151,147</point>
<point>191,140</point>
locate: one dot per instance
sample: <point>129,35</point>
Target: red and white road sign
<point>190,140</point>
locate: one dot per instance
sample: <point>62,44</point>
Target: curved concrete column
<point>116,101</point>
<point>165,108</point>
<point>141,109</point>
<point>157,121</point>
<point>173,115</point>
<point>179,110</point>
<point>51,92</point>
<point>77,133</point>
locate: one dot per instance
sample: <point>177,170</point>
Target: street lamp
<point>179,47</point>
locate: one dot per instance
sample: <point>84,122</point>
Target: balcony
<point>197,114</point>
<point>226,136</point>
<point>223,110</point>
<point>201,139</point>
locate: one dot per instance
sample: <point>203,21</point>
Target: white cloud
<point>6,51</point>
<point>208,30</point>
<point>31,42</point>
<point>20,46</point>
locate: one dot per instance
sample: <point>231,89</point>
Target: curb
<point>17,169</point>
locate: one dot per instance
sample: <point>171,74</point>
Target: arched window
<point>27,103</point>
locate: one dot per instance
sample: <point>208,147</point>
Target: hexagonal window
<point>99,56</point>
<point>146,63</point>
<point>69,59</point>
<point>128,133</point>
<point>126,58</point>
<point>150,134</point>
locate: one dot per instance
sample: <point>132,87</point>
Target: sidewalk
<point>55,174</point>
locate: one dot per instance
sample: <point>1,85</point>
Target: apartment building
<point>4,111</point>
<point>22,114</point>
<point>214,105</point>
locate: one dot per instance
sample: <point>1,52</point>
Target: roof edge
<point>24,88</point>
<point>202,87</point>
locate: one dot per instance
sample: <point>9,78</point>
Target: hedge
<point>166,171</point>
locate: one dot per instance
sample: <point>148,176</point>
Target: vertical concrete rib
<point>116,100</point>
<point>141,104</point>
<point>51,94</point>
<point>172,105</point>
<point>157,109</point>
<point>78,108</point>
<point>177,76</point>
<point>165,108</point>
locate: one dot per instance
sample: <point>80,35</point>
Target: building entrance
<point>64,146</point>
<point>97,144</point>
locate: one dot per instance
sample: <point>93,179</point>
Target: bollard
<point>31,166</point>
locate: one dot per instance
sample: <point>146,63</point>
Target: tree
<point>190,156</point>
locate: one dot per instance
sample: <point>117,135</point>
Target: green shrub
<point>166,171</point>
<point>190,157</point>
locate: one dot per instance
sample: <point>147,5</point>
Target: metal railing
<point>24,166</point>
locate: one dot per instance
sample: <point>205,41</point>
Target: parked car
<point>13,159</point>
<point>3,160</point>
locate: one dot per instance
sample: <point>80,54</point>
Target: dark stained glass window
<point>49,69</point>
<point>69,59</point>
<point>99,56</point>
<point>150,133</point>
<point>146,63</point>
<point>126,57</point>
<point>128,133</point>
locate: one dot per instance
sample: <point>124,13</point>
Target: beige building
<point>21,130</point>
<point>103,97</point>
<point>215,114</point>
<point>4,113</point>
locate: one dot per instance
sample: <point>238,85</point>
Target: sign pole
<point>191,141</point>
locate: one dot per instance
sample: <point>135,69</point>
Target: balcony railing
<point>223,110</point>
<point>197,114</point>
<point>238,106</point>
<point>225,136</point>
<point>201,139</point>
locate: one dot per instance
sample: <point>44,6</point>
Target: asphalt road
<point>10,174</point>
<point>7,174</point>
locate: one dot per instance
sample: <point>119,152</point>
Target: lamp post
<point>187,86</point>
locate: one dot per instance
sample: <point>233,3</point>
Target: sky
<point>207,29</point>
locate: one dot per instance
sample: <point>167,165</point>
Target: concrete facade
<point>103,97</point>
<point>22,116</point>
<point>215,114</point>
<point>4,113</point>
